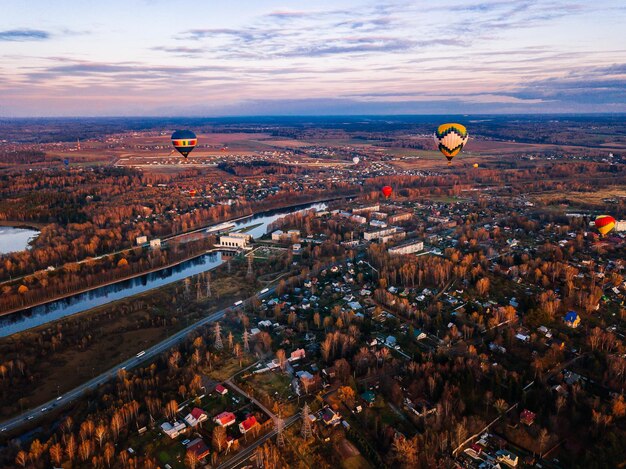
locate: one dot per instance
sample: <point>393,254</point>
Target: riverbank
<point>106,284</point>
<point>267,213</point>
<point>32,225</point>
<point>63,354</point>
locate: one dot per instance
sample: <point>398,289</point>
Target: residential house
<point>173,430</point>
<point>199,448</point>
<point>196,416</point>
<point>225,419</point>
<point>369,397</point>
<point>527,417</point>
<point>221,390</point>
<point>248,424</point>
<point>330,417</point>
<point>572,319</point>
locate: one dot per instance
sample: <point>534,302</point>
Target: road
<point>245,454</point>
<point>248,396</point>
<point>33,414</point>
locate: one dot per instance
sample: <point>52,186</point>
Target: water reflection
<point>39,315</point>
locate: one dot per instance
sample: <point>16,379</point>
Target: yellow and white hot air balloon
<point>450,139</point>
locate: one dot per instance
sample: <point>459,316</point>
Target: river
<point>39,315</point>
<point>15,239</point>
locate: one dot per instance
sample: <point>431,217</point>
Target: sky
<point>339,57</point>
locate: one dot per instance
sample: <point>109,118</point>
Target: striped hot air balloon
<point>184,141</point>
<point>450,139</point>
<point>605,223</point>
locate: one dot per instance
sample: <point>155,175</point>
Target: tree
<point>501,406</point>
<point>219,438</point>
<point>482,286</point>
<point>347,395</point>
<point>70,447</point>
<point>543,439</point>
<point>56,454</point>
<point>171,409</point>
<point>282,358</point>
<point>191,459</point>
<point>21,459</point>
<point>109,453</point>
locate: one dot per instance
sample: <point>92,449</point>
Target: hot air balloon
<point>387,190</point>
<point>605,223</point>
<point>356,160</point>
<point>184,141</point>
<point>66,162</point>
<point>475,165</point>
<point>450,139</point>
<point>192,192</point>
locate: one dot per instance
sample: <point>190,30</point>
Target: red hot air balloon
<point>387,190</point>
<point>604,224</point>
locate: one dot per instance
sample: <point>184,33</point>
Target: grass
<point>355,462</point>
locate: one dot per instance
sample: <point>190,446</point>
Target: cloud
<point>351,46</point>
<point>20,35</point>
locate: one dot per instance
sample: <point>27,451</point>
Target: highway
<point>133,362</point>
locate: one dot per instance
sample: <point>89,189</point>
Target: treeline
<point>22,156</point>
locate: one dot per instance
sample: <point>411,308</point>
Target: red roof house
<point>225,419</point>
<point>248,424</point>
<point>199,447</point>
<point>196,416</point>
<point>527,417</point>
<point>221,389</point>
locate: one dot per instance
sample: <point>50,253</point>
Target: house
<point>306,379</point>
<point>173,430</point>
<point>354,305</point>
<point>221,390</point>
<point>572,319</point>
<point>390,341</point>
<point>248,424</point>
<point>506,457</point>
<point>199,448</point>
<point>369,397</point>
<point>265,323</point>
<point>527,417</point>
<point>196,416</point>
<point>297,354</point>
<point>330,417</point>
<point>522,337</point>
<point>225,419</point>
<point>254,331</point>
<point>418,334</point>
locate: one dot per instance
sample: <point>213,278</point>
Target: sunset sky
<point>263,57</point>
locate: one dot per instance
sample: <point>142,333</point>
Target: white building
<point>407,248</point>
<point>141,240</point>
<point>366,208</point>
<point>155,243</point>
<point>235,240</point>
<point>173,430</point>
<point>371,235</point>
<point>620,225</point>
<point>378,224</point>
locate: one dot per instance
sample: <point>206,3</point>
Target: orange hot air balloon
<point>475,165</point>
<point>605,223</point>
<point>193,192</point>
<point>387,190</point>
